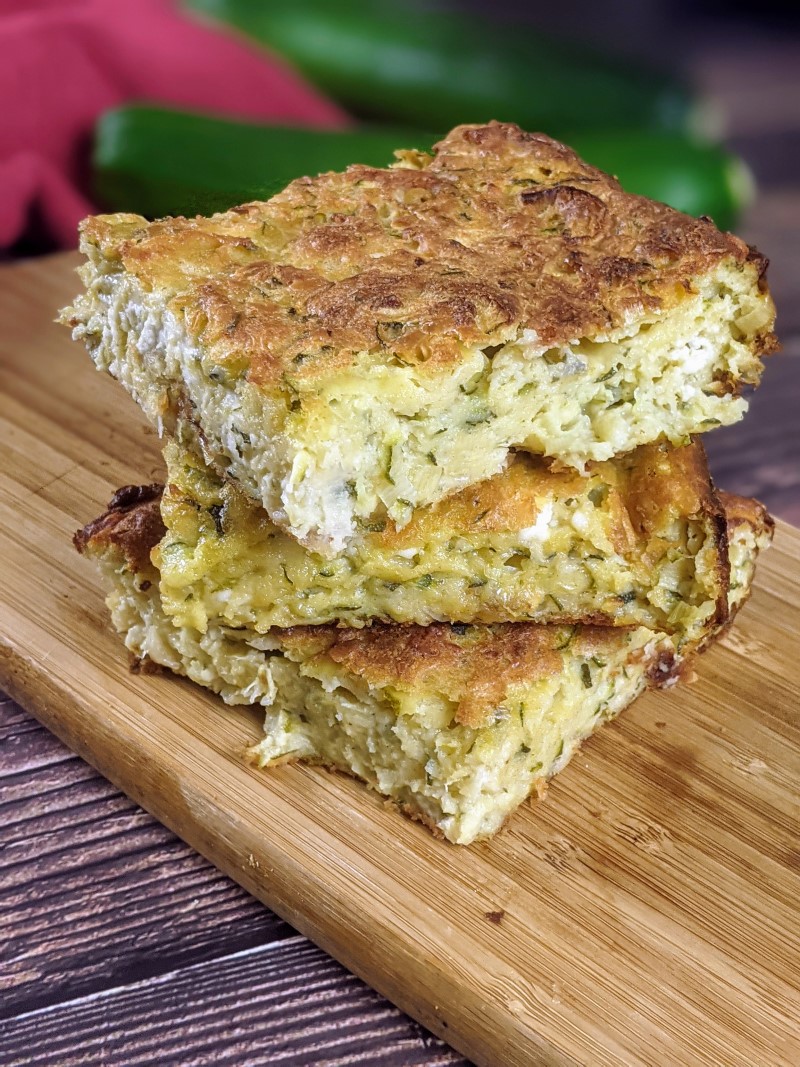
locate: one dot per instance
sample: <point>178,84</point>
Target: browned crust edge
<point>132,524</point>
<point>746,511</point>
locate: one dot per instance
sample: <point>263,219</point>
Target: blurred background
<point>166,107</point>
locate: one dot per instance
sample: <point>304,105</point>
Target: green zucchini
<point>159,162</point>
<point>700,179</point>
<point>404,63</point>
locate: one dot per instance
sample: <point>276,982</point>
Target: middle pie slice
<point>639,541</point>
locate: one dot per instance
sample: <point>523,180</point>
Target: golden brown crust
<point>475,666</point>
<point>745,511</point>
<point>649,487</point>
<point>508,501</point>
<point>132,525</point>
<point>499,231</point>
<point>743,514</point>
<point>664,482</point>
<point>669,482</point>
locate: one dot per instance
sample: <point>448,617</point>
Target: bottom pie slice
<point>456,723</point>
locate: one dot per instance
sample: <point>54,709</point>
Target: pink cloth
<point>64,62</point>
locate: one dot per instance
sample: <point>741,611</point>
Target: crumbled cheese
<point>580,520</point>
<point>540,529</point>
<point>571,364</point>
<point>693,354</point>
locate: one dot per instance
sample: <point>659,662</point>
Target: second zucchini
<point>157,162</point>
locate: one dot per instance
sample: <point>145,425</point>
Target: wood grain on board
<point>650,902</point>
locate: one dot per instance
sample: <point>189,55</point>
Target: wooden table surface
<point>120,944</point>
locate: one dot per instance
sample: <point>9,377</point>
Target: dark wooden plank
<point>24,744</point>
<point>96,895</point>
<point>282,1003</point>
<point>773,225</point>
<point>93,891</point>
<point>753,74</point>
<point>13,717</point>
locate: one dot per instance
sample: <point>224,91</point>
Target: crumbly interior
<point>744,546</point>
<point>463,780</point>
<point>382,438</point>
<point>576,558</point>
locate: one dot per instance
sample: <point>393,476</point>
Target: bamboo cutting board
<point>645,913</point>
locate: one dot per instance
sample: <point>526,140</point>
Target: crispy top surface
<point>498,231</point>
